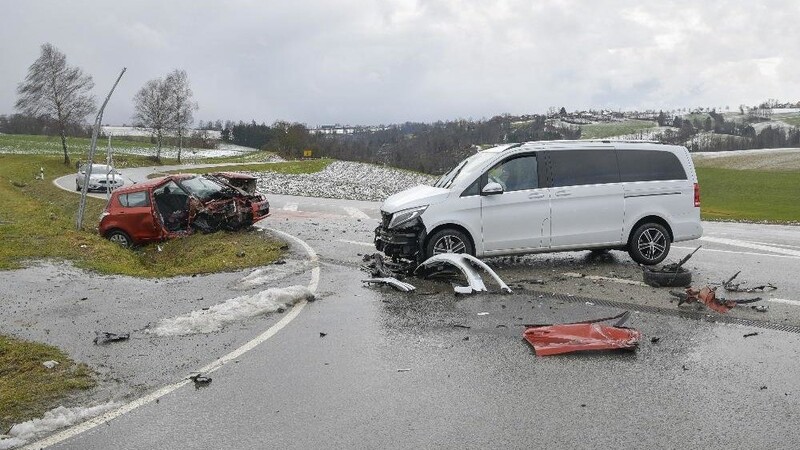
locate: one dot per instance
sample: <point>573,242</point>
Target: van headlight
<point>405,216</point>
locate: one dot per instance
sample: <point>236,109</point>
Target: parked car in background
<point>177,205</point>
<point>550,196</point>
<point>102,177</point>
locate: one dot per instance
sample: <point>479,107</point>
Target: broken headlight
<point>402,217</point>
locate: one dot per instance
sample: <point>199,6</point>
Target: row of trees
<point>56,97</point>
<point>166,104</point>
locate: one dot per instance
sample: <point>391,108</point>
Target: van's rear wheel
<point>448,240</point>
<point>649,244</point>
<point>120,238</point>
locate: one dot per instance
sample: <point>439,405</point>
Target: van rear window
<point>649,165</point>
<point>577,167</point>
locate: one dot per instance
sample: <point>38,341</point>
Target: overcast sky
<point>389,61</point>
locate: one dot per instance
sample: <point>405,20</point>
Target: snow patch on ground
<point>233,310</point>
<point>271,274</point>
<point>344,180</point>
<point>52,420</point>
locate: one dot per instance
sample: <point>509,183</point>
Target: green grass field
<point>27,388</point>
<point>611,129</point>
<point>288,167</point>
<point>791,120</point>
<point>749,195</point>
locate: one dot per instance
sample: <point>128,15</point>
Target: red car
<point>177,205</point>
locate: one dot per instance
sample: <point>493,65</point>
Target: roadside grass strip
<point>27,387</point>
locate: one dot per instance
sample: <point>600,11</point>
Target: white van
<point>549,196</point>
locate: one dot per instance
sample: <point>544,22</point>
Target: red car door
<point>138,217</point>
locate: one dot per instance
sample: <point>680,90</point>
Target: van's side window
<point>135,199</point>
<point>517,174</point>
<point>648,165</point>
<point>576,167</point>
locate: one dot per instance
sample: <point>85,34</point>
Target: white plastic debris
<point>466,264</point>
<point>393,282</point>
<point>233,310</point>
<point>50,364</point>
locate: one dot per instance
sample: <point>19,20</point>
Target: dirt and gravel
<point>344,180</point>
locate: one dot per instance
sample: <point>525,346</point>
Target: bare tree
<point>154,108</point>
<point>56,90</point>
<point>182,104</point>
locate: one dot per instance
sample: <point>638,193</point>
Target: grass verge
<point>27,388</point>
<point>288,167</point>
<point>37,221</point>
<point>749,195</point>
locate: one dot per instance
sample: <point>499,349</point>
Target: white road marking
<point>751,245</point>
<point>737,253</point>
<point>290,207</point>
<point>355,212</point>
<point>365,244</point>
<point>784,301</point>
<point>209,368</point>
<point>601,278</point>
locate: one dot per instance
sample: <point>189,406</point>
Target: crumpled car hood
<point>416,196</point>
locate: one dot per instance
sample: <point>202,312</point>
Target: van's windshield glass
<point>465,169</point>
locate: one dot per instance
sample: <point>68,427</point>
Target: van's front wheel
<point>649,244</point>
<point>448,240</point>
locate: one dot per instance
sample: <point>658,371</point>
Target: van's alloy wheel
<point>120,238</point>
<point>649,244</point>
<point>449,241</point>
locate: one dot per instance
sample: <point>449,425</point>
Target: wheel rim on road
<point>652,243</point>
<point>449,244</point>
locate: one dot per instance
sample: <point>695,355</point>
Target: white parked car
<point>102,177</point>
<point>550,196</point>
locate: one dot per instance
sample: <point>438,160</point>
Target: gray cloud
<point>373,62</point>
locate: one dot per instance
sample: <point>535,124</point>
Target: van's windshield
<point>465,169</point>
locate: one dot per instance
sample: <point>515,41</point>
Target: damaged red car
<point>177,205</point>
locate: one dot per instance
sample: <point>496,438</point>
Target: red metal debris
<point>708,297</point>
<point>581,336</point>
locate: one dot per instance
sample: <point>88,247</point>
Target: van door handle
<point>535,196</point>
<point>563,193</point>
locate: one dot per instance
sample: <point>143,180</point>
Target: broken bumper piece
<point>466,264</point>
<point>393,282</point>
<point>590,335</point>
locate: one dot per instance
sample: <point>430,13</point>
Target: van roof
<point>584,144</point>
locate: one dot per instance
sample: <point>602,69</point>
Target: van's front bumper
<point>401,243</point>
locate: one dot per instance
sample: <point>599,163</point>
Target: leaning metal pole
<point>87,173</point>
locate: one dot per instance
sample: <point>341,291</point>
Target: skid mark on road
<point>601,278</point>
<point>209,368</point>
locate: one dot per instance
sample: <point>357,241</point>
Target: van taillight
<point>696,195</point>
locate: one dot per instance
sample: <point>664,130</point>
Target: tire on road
<point>658,278</point>
<point>649,244</point>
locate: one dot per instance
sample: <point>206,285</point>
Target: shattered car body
<point>177,205</point>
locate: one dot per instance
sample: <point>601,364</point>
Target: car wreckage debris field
<point>367,365</point>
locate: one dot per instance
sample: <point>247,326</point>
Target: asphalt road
<point>430,369</point>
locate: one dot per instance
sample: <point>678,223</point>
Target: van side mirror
<point>492,189</point>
